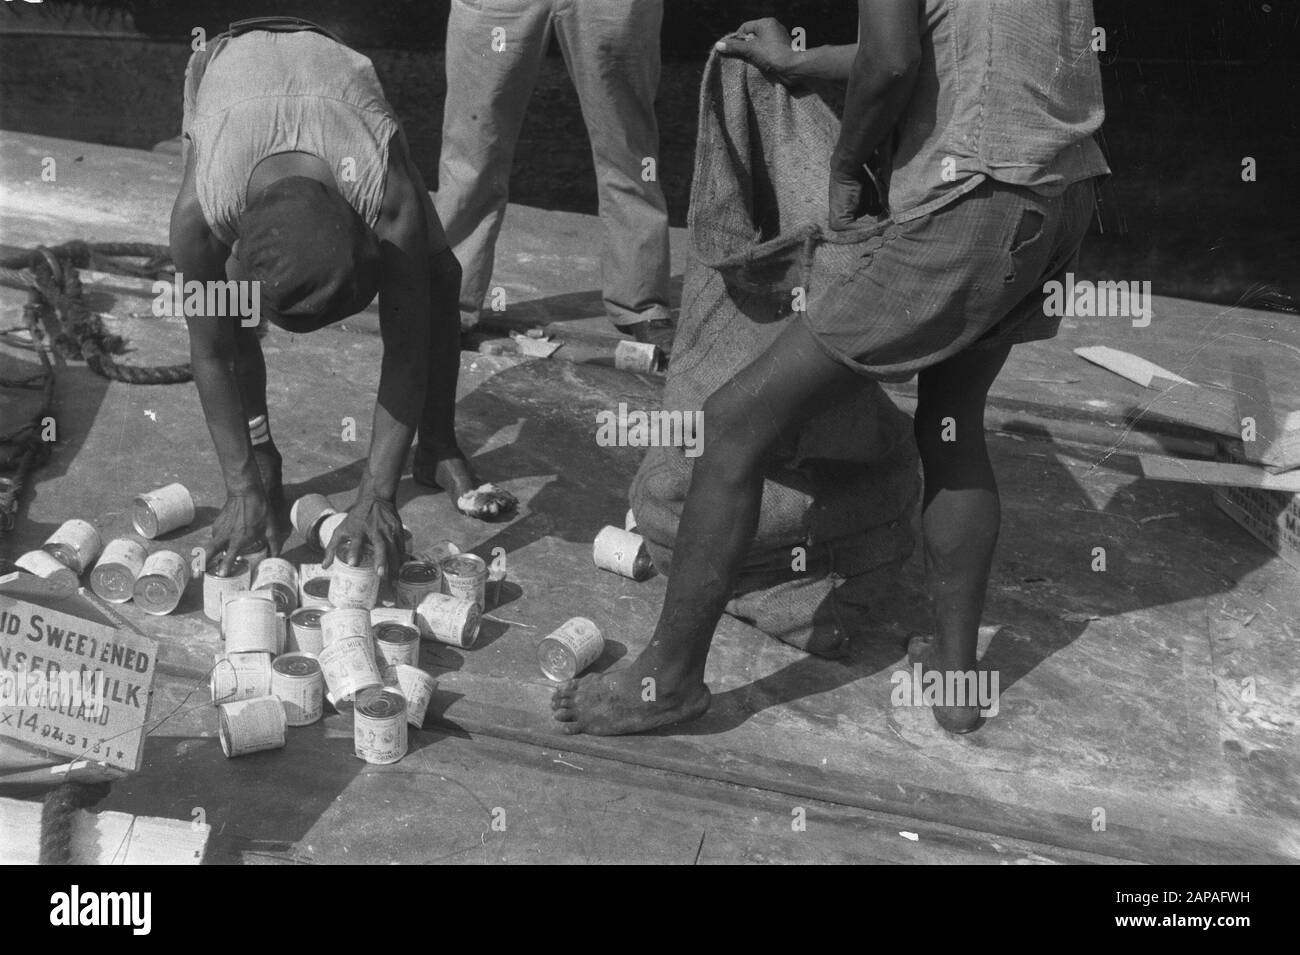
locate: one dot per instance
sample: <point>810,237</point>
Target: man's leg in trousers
<point>961,509</point>
<point>494,50</point>
<point>613,57</point>
<point>780,391</point>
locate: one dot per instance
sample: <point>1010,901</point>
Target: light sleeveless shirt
<point>263,93</point>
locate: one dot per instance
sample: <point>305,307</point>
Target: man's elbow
<point>885,70</point>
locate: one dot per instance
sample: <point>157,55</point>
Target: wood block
<point>1218,473</point>
<point>1272,517</point>
<point>105,838</point>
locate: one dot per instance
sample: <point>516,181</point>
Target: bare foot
<point>623,702</point>
<point>449,473</point>
<point>955,719</point>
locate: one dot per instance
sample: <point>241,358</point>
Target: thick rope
<point>59,818</point>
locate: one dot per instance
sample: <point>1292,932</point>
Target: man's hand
<point>852,195</point>
<point>764,44</point>
<point>372,523</point>
<point>245,519</point>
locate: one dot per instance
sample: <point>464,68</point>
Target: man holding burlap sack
<point>986,111</point>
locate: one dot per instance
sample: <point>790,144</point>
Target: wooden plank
<point>1127,365</point>
<point>1216,472</point>
<point>106,838</point>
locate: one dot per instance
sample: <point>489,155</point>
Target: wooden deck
<point>1121,691</point>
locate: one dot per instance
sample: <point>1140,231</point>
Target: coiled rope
<point>59,818</point>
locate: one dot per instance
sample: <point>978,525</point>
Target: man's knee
<point>734,444</point>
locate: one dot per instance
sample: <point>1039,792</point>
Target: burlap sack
<point>843,492</point>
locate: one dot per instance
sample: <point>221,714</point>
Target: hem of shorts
<point>851,364</point>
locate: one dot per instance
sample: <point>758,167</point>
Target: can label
<point>465,576</point>
<point>249,726</point>
<point>297,680</point>
<point>162,511</point>
<point>344,622</point>
<point>162,582</point>
<point>573,647</point>
<point>240,676</point>
<point>379,726</point>
<point>47,567</point>
<point>218,589</point>
<point>356,587</point>
<point>250,625</point>
<point>448,619</point>
<point>349,667</point>
<point>416,580</point>
<point>396,644</point>
<point>114,577</point>
<point>307,512</point>
<point>277,576</point>
<point>622,552</point>
<point>643,357</point>
<point>402,615</point>
<point>414,684</point>
<point>304,634</point>
<point>75,544</point>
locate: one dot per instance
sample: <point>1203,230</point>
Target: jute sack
<point>843,490</point>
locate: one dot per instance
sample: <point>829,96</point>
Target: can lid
<point>464,565</point>
<point>380,703</point>
<point>396,633</point>
<point>418,572</point>
<point>295,664</point>
<point>306,617</point>
<point>317,587</point>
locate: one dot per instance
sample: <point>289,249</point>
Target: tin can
<point>349,667</point>
<point>573,647</point>
<point>324,532</point>
<point>448,619</point>
<point>465,576</point>
<point>414,684</point>
<point>356,587</point>
<point>240,676</point>
<point>250,726</point>
<point>48,568</point>
<point>307,513</point>
<point>277,576</point>
<point>315,592</point>
<point>75,545</point>
<point>217,589</point>
<point>393,615</point>
<point>643,357</point>
<point>622,552</point>
<point>396,644</point>
<point>249,624</point>
<point>415,581</point>
<point>113,578</point>
<point>304,631</point>
<point>162,511</point>
<point>629,520</point>
<point>379,726</point>
<point>344,622</point>
<point>297,681</point>
<point>161,583</point>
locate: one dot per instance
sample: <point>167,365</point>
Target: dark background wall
<point>1192,88</point>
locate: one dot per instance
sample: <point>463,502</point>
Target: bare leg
<point>784,387</point>
<point>438,459</point>
<point>250,373</point>
<point>962,512</point>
